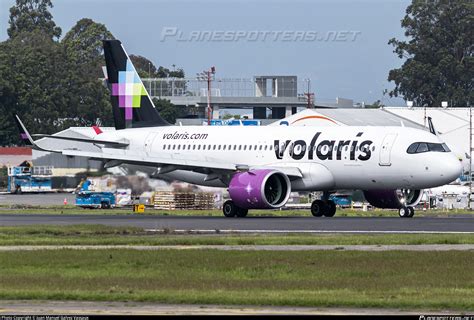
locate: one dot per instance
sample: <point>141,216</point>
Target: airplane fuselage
<point>329,158</point>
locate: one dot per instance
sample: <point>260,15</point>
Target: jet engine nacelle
<point>393,199</point>
<point>259,189</point>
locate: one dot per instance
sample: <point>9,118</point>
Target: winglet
<point>24,135</point>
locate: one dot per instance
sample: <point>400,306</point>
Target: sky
<point>341,45</point>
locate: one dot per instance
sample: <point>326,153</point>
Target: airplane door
<point>149,142</point>
<point>386,149</point>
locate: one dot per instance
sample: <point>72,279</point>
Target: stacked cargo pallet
<point>174,200</point>
<point>204,201</point>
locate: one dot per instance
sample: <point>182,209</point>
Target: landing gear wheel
<point>229,209</point>
<point>411,212</point>
<point>105,205</point>
<point>330,209</point>
<point>242,213</point>
<point>318,207</point>
<point>404,212</point>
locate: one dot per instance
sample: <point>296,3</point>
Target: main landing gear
<point>231,210</point>
<point>321,208</point>
<point>406,212</point>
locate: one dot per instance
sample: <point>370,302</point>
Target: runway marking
<point>230,231</point>
<point>421,247</point>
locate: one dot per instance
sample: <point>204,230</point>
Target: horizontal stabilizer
<point>95,141</point>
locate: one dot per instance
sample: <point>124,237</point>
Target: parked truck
<point>86,198</point>
<point>28,178</point>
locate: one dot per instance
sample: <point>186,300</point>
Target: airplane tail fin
<point>132,106</point>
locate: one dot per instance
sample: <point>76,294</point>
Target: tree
<point>83,45</point>
<point>439,54</point>
<point>144,67</point>
<point>167,110</point>
<point>89,98</point>
<point>53,85</point>
<point>375,105</point>
<point>28,15</point>
<point>31,70</point>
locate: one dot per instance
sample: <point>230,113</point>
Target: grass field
<point>69,209</point>
<point>395,279</point>
<point>108,235</point>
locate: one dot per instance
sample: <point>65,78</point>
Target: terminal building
<point>264,97</point>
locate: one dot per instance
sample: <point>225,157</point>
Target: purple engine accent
<point>389,199</point>
<point>248,189</point>
<point>23,136</point>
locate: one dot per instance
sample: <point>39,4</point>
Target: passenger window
<point>245,147</point>
<point>240,147</point>
<point>260,147</point>
<point>223,147</point>
<point>422,147</point>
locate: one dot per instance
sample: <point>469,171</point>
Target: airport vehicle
<point>260,165</point>
<point>26,178</point>
<point>86,198</point>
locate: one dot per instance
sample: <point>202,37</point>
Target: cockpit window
<point>422,147</point>
<point>412,148</point>
<point>419,147</point>
<point>438,147</point>
<point>445,147</point>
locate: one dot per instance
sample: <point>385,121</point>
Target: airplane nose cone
<point>452,169</point>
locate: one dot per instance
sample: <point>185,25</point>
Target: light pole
<point>309,95</point>
<point>149,78</point>
<point>208,75</point>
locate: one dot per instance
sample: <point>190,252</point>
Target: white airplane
<point>260,165</point>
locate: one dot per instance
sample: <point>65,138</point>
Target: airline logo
<point>325,150</point>
<point>129,90</point>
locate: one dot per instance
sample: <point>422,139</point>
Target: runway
<point>457,224</point>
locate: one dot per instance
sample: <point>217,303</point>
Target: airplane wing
<point>178,162</point>
<point>152,161</point>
